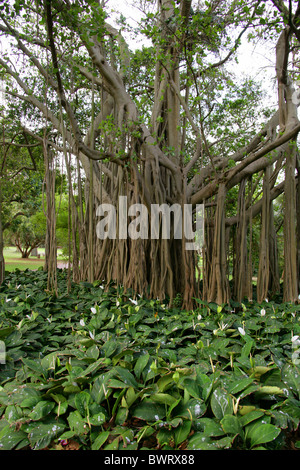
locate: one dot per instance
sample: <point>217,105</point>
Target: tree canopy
<point>165,121</point>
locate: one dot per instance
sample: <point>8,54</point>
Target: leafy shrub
<point>99,370</point>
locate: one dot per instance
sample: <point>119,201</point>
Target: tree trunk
<point>290,281</point>
<point>218,284</point>
<point>2,261</point>
<point>50,244</point>
<point>298,217</point>
<point>274,278</point>
<point>264,250</point>
<point>241,260</point>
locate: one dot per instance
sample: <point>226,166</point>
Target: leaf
<point>164,381</point>
<point>41,409</point>
<point>221,403</point>
<point>163,398</point>
<point>121,416</point>
<point>239,385</point>
<point>126,376</point>
<point>48,362</point>
<point>193,409</point>
<point>231,425</point>
<point>149,411</point>
<point>250,415</point>
<point>182,431</point>
<point>199,441</point>
<point>97,419</point>
<point>165,436</point>
<point>205,384</point>
<point>100,389</point>
<point>269,391</point>
<point>82,401</point>
<point>291,377</point>
<point>192,387</point>
<point>42,434</point>
<point>10,438</point>
<point>100,440</point>
<point>209,427</point>
<point>4,332</point>
<point>77,423</point>
<point>33,365</point>
<point>263,434</point>
<point>141,364</point>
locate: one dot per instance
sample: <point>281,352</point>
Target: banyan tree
<point>164,122</point>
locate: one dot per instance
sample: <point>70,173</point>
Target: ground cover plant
<point>95,369</point>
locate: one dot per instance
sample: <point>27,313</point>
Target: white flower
<point>266,300</point>
<point>199,317</point>
<point>262,312</point>
<point>91,335</point>
<point>241,330</point>
<point>93,310</point>
<point>133,301</point>
<point>117,303</point>
<point>8,300</point>
<point>295,339</point>
<point>82,323</point>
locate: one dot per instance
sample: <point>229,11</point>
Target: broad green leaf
<point>251,415</point>
<point>165,436</point>
<point>209,426</point>
<point>34,365</point>
<point>239,385</point>
<point>199,441</point>
<point>100,389</point>
<point>149,411</point>
<point>165,381</point>
<point>182,431</point>
<point>41,409</point>
<point>42,434</point>
<point>49,362</point>
<point>231,425</point>
<point>221,403</point>
<point>192,387</point>
<point>100,440</point>
<point>10,438</point>
<point>163,398</point>
<point>97,419</point>
<point>4,332</point>
<point>121,415</point>
<point>193,409</point>
<point>263,434</point>
<point>13,413</point>
<point>82,401</point>
<point>291,377</point>
<point>77,423</point>
<point>141,364</point>
<point>126,376</point>
<point>205,384</point>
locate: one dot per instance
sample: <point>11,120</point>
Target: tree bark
<point>290,281</point>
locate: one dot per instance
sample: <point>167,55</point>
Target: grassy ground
<point>14,261</point>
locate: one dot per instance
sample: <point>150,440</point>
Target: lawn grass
<point>13,259</point>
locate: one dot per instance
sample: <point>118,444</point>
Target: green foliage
<point>107,372</point>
